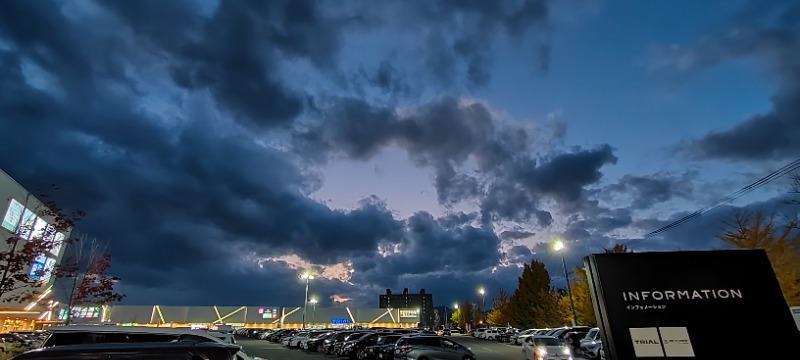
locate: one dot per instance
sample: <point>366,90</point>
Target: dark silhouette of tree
<point>83,275</point>
<point>619,248</point>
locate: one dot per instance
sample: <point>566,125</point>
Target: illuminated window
<point>12,216</point>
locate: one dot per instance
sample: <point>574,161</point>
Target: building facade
<point>269,317</point>
<point>22,216</point>
<point>422,303</point>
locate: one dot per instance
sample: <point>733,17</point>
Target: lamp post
<point>307,277</point>
<point>314,311</point>
<point>455,306</point>
<point>483,304</point>
<point>445,317</point>
<point>558,246</point>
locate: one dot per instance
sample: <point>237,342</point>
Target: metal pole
<point>305,304</point>
<point>569,293</point>
<point>483,301</point>
<point>314,314</point>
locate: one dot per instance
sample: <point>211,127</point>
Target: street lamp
<point>483,304</point>
<point>558,246</point>
<point>307,277</point>
<point>455,307</point>
<point>314,313</point>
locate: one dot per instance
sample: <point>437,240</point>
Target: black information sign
<point>691,304</point>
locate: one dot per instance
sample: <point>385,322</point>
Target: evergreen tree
<point>500,314</point>
<point>534,303</point>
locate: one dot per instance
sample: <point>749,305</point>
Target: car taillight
<point>405,348</point>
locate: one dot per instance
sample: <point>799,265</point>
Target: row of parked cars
<point>19,341</point>
<point>131,342</point>
<point>582,341</point>
<point>368,344</point>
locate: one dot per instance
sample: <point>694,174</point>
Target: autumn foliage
<point>754,230</point>
<point>83,275</point>
<point>501,313</point>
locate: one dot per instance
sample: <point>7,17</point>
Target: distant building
<point>421,303</point>
<point>20,212</point>
<point>265,317</point>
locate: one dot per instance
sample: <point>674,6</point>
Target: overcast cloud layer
<point>186,131</point>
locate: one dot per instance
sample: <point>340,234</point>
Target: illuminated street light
<point>314,313</point>
<point>307,277</point>
<point>558,246</point>
<point>483,303</point>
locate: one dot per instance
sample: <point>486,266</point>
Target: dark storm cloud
<point>172,198</point>
<point>445,244</point>
<point>648,190</point>
<point>769,33</point>
<point>480,23</point>
<point>235,52</point>
<point>515,234</point>
<point>123,112</point>
<point>447,135</point>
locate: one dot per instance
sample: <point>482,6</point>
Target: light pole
<point>314,311</point>
<point>445,317</point>
<point>558,246</point>
<point>307,277</point>
<point>455,306</point>
<point>483,304</point>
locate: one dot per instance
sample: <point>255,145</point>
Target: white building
<point>22,215</point>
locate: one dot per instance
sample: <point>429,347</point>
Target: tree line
<point>81,277</point>
<point>536,304</point>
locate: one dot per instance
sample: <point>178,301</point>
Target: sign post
<point>690,304</point>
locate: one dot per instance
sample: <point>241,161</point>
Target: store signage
<point>340,321</point>
<point>409,313</point>
<point>686,303</point>
<point>268,313</point>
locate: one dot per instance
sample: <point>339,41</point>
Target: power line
<point>786,169</point>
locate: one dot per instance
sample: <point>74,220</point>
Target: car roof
<point>128,329</point>
<point>135,330</point>
<point>121,347</point>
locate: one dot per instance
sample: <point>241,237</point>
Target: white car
<point>545,348</point>
<point>224,336</point>
<point>294,341</point>
<point>79,334</point>
<point>525,334</point>
<point>490,335</point>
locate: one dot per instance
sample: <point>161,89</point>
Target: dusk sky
<point>223,148</point>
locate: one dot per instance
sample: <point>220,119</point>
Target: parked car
<point>136,350</point>
<point>91,334</point>
<point>545,347</point>
<point>430,347</point>
<point>383,348</point>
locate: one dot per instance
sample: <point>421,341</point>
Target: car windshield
<point>548,342</point>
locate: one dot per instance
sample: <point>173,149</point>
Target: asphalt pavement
<point>483,349</point>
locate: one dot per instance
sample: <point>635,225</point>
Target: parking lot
<point>484,350</point>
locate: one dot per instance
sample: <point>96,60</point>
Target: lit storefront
<point>20,216</point>
<point>249,316</point>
